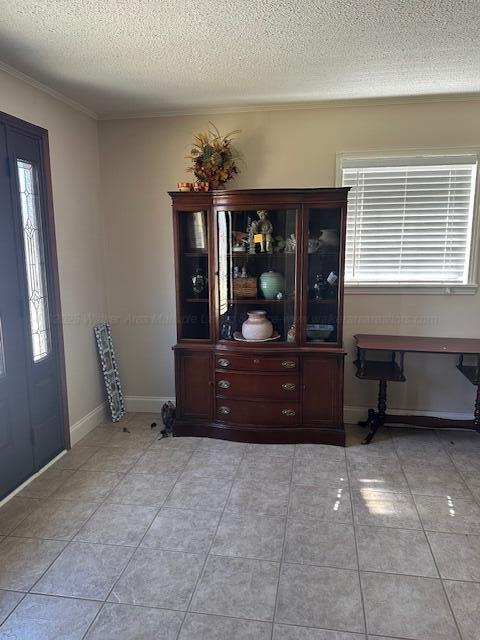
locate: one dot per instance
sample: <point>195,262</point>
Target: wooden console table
<point>391,369</point>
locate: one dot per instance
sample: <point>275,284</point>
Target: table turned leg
<point>382,400</point>
<point>369,420</point>
<point>376,419</point>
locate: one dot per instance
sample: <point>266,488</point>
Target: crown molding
<point>218,110</point>
<point>46,89</point>
<point>297,106</point>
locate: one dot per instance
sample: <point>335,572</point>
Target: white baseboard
<point>146,404</point>
<point>87,423</point>
<point>351,415</point>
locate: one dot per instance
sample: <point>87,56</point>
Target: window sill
<point>412,289</point>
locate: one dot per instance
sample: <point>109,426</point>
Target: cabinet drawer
<point>269,414</point>
<point>275,386</point>
<point>256,362</point>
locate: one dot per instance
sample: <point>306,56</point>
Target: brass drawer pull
<point>224,410</point>
<point>289,386</point>
<point>223,362</point>
<point>224,384</point>
<point>289,364</point>
<point>288,412</point>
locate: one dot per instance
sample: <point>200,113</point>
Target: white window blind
<point>409,219</point>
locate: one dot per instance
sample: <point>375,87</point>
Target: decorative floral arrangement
<point>213,157</point>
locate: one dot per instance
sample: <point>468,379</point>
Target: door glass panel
<point>193,272</point>
<point>323,274</point>
<point>2,352</point>
<point>34,260</point>
<point>256,270</point>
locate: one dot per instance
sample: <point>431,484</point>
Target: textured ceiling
<point>143,56</point>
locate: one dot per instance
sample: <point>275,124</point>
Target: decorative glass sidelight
<point>34,262</point>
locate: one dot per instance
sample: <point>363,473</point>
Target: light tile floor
<point>195,539</point>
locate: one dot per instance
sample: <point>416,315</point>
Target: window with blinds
<point>409,219</point>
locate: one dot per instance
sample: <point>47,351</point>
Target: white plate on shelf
<point>238,336</point>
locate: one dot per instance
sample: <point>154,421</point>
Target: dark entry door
<point>16,450</point>
<point>32,405</point>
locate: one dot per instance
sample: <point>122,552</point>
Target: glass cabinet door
<point>322,274</point>
<point>256,273</point>
<point>193,286</point>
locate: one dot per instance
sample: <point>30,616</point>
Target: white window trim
<point>382,288</point>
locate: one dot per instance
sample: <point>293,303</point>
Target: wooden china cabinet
<point>290,387</point>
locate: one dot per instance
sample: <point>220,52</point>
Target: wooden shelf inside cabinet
<point>196,254</point>
<point>259,301</point>
<point>324,254</point>
<point>256,256</point>
<point>323,301</point>
<point>204,300</point>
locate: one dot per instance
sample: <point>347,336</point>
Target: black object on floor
<point>168,417</point>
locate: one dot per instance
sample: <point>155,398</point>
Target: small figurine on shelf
<point>321,287</point>
<point>313,244</point>
<point>243,273</point>
<point>291,333</point>
<point>240,239</point>
<point>251,230</point>
<point>199,282</point>
<point>328,239</point>
<point>332,283</point>
<point>260,232</point>
<point>279,244</point>
<point>290,244</point>
<point>279,295</point>
<point>226,330</point>
<point>236,272</point>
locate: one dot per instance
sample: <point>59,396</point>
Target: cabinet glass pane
<point>323,274</point>
<point>256,270</point>
<point>193,275</point>
<point>34,264</point>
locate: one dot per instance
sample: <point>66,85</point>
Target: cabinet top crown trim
<point>220,193</point>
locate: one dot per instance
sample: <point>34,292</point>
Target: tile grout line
<point>280,568</point>
<point>457,626</point>
<point>105,601</point>
<point>356,545</point>
<point>100,504</point>
<point>207,554</point>
<point>14,608</point>
<point>475,500</point>
<point>461,474</point>
<point>67,542</point>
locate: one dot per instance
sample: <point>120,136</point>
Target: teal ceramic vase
<point>271,283</point>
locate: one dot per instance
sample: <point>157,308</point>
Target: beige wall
<point>141,159</point>
<point>75,175</point>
